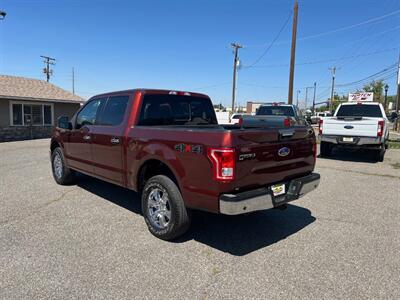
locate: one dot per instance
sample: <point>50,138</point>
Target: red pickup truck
<point>168,146</point>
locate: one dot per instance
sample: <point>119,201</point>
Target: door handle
<point>115,141</point>
<point>86,137</point>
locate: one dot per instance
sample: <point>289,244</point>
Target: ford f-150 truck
<point>355,125</point>
<point>168,146</point>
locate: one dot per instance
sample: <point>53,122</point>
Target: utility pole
<point>48,61</point>
<point>305,100</point>
<point>297,98</point>
<point>313,102</point>
<point>396,124</point>
<point>236,47</point>
<point>333,87</point>
<point>73,80</point>
<point>293,52</point>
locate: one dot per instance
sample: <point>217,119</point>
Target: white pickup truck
<point>355,125</point>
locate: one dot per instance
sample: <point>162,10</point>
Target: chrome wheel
<point>57,166</point>
<point>159,208</point>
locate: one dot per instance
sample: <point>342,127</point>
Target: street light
<point>2,15</point>
<point>297,98</point>
<point>386,90</point>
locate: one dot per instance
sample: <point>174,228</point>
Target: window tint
<point>87,116</point>
<point>17,114</point>
<point>276,111</point>
<point>236,116</point>
<point>114,111</point>
<point>176,110</point>
<point>357,110</point>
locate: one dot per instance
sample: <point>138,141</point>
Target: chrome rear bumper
<point>261,199</point>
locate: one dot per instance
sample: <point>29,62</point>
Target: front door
<point>79,145</point>
<point>108,139</point>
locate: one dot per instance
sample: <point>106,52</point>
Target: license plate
<point>278,189</point>
<point>347,139</point>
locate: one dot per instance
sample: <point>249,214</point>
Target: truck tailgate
<point>364,127</point>
<point>269,156</point>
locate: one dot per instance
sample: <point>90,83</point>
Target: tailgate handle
<point>286,133</point>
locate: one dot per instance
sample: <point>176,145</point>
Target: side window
<point>87,116</point>
<point>114,111</point>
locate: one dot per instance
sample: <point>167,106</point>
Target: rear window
<point>359,110</point>
<point>276,111</point>
<point>114,111</point>
<point>176,110</point>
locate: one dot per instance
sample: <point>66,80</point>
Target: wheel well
<point>54,145</point>
<point>152,168</point>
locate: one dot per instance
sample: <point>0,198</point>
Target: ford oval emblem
<point>348,127</point>
<point>284,151</point>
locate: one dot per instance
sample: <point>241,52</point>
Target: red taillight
<point>381,126</point>
<point>240,123</point>
<point>320,126</point>
<point>315,152</point>
<point>223,161</point>
<point>287,122</point>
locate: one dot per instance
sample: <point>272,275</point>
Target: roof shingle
<point>13,87</point>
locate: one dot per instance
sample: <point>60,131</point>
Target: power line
<point>328,60</point>
<point>350,26</point>
<point>369,77</point>
<point>272,43</point>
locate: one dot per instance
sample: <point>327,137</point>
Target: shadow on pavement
<point>359,155</point>
<point>237,235</point>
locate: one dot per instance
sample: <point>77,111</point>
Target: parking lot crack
<point>39,208</point>
<point>362,173</point>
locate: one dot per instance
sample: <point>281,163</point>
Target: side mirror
<point>63,123</point>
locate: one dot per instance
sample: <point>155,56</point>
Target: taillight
<point>286,122</point>
<point>240,123</point>
<point>223,161</point>
<point>381,126</point>
<point>320,125</point>
<point>315,152</point>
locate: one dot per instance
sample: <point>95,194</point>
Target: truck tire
<point>61,173</point>
<point>380,154</point>
<point>326,149</point>
<point>163,208</point>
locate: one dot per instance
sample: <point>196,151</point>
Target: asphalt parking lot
<point>90,241</point>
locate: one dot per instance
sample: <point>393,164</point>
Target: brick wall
<point>19,133</point>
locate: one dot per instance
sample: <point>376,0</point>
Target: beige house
<point>29,108</point>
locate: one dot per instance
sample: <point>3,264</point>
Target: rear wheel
<point>163,208</point>
<point>326,149</point>
<point>61,173</point>
<point>380,154</point>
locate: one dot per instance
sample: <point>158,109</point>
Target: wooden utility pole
<point>313,102</point>
<point>396,124</point>
<point>48,61</point>
<point>333,88</point>
<point>236,48</point>
<point>293,52</point>
<point>73,80</point>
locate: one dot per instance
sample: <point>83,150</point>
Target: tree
<point>376,87</point>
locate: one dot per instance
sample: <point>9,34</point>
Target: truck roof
<point>150,91</point>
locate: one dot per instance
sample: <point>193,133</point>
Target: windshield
<point>359,110</point>
<point>176,110</point>
<point>276,111</point>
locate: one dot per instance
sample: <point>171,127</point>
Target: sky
<point>185,45</point>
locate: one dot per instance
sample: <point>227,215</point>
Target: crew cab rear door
<point>108,139</point>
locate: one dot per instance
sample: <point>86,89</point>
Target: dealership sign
<point>358,97</point>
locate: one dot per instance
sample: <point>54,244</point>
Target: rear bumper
<point>261,199</point>
<point>357,140</point>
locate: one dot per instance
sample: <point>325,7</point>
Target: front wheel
<point>61,173</point>
<point>163,208</point>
